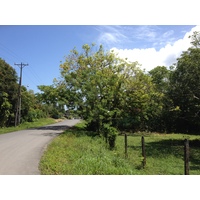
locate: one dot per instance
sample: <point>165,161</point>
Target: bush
<point>34,114</point>
<point>110,133</point>
<point>56,114</point>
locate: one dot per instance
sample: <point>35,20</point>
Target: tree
<point>160,77</point>
<point>94,82</point>
<point>52,96</point>
<point>5,107</point>
<point>163,121</point>
<point>49,94</point>
<point>195,39</point>
<point>185,88</point>
<point>106,89</point>
<point>8,89</point>
<point>31,108</point>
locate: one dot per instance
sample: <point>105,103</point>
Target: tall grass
<point>76,153</point>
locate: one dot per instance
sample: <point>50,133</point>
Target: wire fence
<point>145,148</point>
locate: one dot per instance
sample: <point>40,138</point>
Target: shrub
<point>34,114</point>
<point>56,114</point>
<point>110,133</point>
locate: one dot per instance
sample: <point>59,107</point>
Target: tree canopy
<point>31,107</point>
<point>8,92</point>
<point>185,89</point>
<point>107,89</point>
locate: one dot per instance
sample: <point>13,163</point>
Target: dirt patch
<point>58,120</point>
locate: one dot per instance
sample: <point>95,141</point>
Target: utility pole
<point>18,109</point>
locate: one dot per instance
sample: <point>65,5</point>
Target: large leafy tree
<point>105,88</point>
<point>95,82</point>
<point>48,94</point>
<point>160,77</point>
<point>8,92</point>
<point>31,108</point>
<point>52,96</point>
<point>163,121</point>
<point>185,87</point>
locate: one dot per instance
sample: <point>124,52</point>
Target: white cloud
<point>110,35</point>
<point>150,58</point>
<point>168,33</point>
<point>145,32</point>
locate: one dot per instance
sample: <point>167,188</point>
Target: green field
<point>75,152</point>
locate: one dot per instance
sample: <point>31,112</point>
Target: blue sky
<point>44,46</point>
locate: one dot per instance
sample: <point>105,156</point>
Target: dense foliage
<point>32,107</point>
<point>8,93</point>
<point>106,89</point>
<point>185,91</point>
<point>180,87</point>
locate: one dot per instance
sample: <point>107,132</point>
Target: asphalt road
<point>21,151</point>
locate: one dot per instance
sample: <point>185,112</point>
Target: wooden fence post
<point>186,157</point>
<point>143,152</point>
<point>125,143</point>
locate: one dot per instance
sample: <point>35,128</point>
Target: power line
<point>35,75</point>
<point>10,55</point>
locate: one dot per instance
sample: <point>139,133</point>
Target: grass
<point>75,152</point>
<point>27,125</point>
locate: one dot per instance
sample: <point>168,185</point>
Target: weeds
<point>77,153</point>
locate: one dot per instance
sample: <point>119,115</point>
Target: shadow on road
<point>55,127</point>
<point>52,130</point>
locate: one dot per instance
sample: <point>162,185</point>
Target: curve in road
<point>21,151</point>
